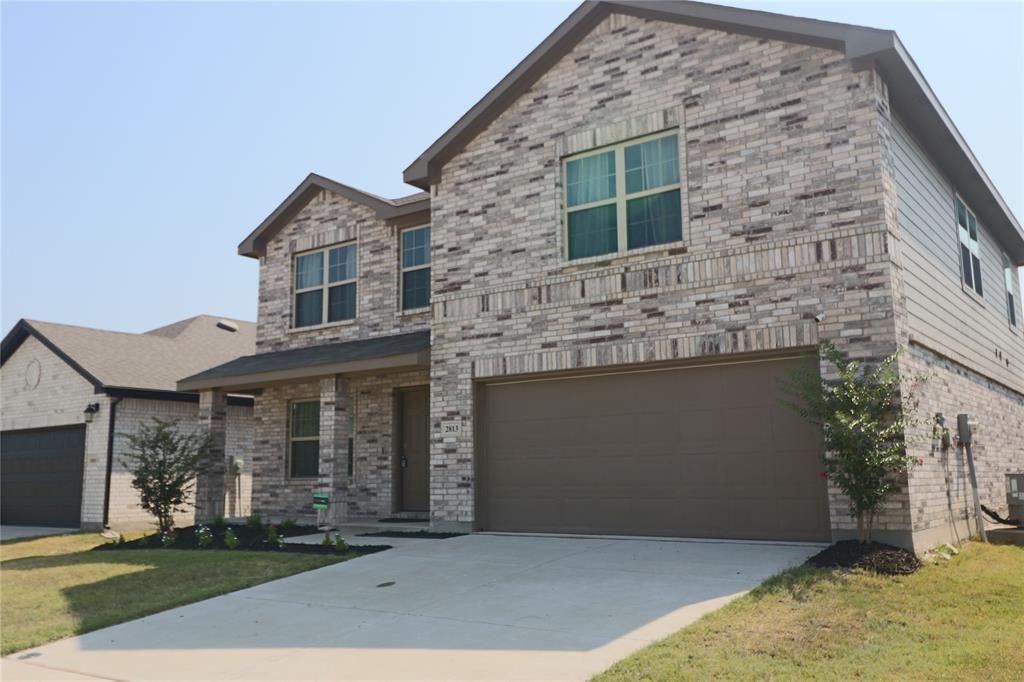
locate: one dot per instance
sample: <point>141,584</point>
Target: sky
<point>140,142</point>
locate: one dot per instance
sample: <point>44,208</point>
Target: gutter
<point>110,461</point>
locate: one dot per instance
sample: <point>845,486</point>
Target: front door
<point>414,448</point>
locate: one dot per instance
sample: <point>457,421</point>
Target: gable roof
<point>254,245</point>
<point>152,361</point>
<point>909,92</point>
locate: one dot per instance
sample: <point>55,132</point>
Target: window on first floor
<point>970,252</point>
<point>415,267</point>
<point>623,197</point>
<point>304,439</point>
<point>325,285</point>
<point>1009,273</point>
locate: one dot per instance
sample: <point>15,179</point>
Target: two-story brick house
<point>629,241</point>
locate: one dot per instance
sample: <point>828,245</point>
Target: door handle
<point>405,462</point>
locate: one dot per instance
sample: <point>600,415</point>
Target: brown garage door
<point>41,477</point>
<point>704,451</point>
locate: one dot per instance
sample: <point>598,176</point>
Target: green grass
<point>53,587</point>
<point>962,620</point>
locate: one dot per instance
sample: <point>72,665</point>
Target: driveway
<point>13,532</point>
<point>476,607</point>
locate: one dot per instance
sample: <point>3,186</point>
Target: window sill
<point>414,311</point>
<point>622,257</point>
<point>316,327</point>
<point>971,293</point>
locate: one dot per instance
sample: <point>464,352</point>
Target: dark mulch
<point>410,534</point>
<point>872,556</point>
<point>392,519</point>
<point>251,538</point>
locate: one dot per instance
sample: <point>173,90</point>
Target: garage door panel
<point>703,452</point>
<point>41,476</point>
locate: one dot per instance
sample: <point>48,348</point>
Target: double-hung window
<point>325,286</point>
<point>1009,273</point>
<point>304,439</point>
<point>416,268</point>
<point>623,197</point>
<point>970,253</point>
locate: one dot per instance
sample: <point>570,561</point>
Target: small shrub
<point>327,541</point>
<point>340,544</point>
<point>219,523</point>
<point>230,539</point>
<point>168,538</point>
<point>145,540</point>
<point>254,522</point>
<point>288,525</point>
<point>204,536</point>
<point>273,537</point>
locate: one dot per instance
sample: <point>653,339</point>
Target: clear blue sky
<point>142,141</point>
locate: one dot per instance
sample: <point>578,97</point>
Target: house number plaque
<point>451,428</point>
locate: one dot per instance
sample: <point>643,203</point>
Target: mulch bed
<point>250,538</point>
<point>872,556</point>
<point>410,534</point>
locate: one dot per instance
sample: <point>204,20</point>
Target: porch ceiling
<point>365,355</point>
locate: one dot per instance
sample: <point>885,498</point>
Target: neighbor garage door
<point>703,451</point>
<point>41,476</point>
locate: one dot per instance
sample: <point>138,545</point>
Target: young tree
<point>164,465</point>
<point>867,416</point>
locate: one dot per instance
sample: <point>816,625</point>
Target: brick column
<point>334,435</point>
<point>213,419</point>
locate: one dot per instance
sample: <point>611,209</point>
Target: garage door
<point>41,476</point>
<point>705,451</point>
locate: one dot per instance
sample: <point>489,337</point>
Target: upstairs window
<point>1009,273</point>
<point>304,439</point>
<point>623,197</point>
<point>970,253</point>
<point>416,268</point>
<point>325,286</point>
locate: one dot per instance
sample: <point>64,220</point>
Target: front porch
<point>349,421</point>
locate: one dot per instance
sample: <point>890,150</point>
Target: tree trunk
<point>870,526</point>
<point>860,527</point>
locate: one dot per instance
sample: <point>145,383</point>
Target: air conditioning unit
<point>1015,497</point>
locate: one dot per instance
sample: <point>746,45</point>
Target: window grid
<point>1009,273</point>
<point>414,244</point>
<point>970,251</point>
<point>335,271</point>
<point>621,198</point>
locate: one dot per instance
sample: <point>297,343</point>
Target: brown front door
<point>701,451</point>
<point>414,448</point>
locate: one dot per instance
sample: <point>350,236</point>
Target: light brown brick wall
<point>785,216</point>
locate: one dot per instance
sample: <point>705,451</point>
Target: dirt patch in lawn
<point>250,538</point>
<point>871,556</point>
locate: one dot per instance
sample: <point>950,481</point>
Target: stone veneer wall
<point>942,506</point>
<point>368,493</point>
<point>328,220</point>
<point>787,208</point>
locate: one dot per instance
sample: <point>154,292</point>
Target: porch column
<point>213,419</point>
<point>334,435</point>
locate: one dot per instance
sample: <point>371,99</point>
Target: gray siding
<point>941,314</point>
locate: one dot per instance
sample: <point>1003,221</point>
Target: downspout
<point>110,461</point>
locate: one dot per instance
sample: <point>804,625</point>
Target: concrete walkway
<point>15,532</point>
<point>477,607</point>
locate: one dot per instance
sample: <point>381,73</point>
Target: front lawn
<point>54,587</point>
<point>961,620</point>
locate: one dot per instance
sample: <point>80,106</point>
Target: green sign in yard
<point>321,500</point>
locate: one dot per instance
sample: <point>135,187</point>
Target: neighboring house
<point>629,241</point>
<point>70,393</point>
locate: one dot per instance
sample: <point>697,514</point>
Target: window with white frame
<point>304,439</point>
<point>415,267</point>
<point>623,197</point>
<point>325,286</point>
<point>1009,273</point>
<point>970,253</point>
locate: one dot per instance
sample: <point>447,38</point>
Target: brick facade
<point>59,399</point>
<point>785,218</point>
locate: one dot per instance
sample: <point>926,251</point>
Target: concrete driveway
<point>477,607</point>
<point>8,532</point>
